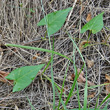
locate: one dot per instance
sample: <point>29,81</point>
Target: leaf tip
<point>38,24</point>
<point>102,12</point>
<point>81,31</point>
<point>7,77</point>
<point>13,91</point>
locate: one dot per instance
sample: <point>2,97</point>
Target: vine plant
<point>54,21</point>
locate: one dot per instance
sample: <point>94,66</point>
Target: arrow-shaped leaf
<point>54,20</point>
<point>23,76</point>
<point>95,24</point>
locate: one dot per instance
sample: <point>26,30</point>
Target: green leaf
<point>21,4</point>
<point>107,97</point>
<point>23,76</point>
<point>31,10</point>
<point>86,45</point>
<point>95,24</point>
<point>54,20</point>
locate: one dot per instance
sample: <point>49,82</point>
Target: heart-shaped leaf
<point>54,20</point>
<point>95,25</point>
<point>23,76</point>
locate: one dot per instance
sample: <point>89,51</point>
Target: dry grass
<point>18,25</point>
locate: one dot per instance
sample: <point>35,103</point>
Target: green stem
<point>60,98</point>
<point>89,35</point>
<point>40,49</point>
